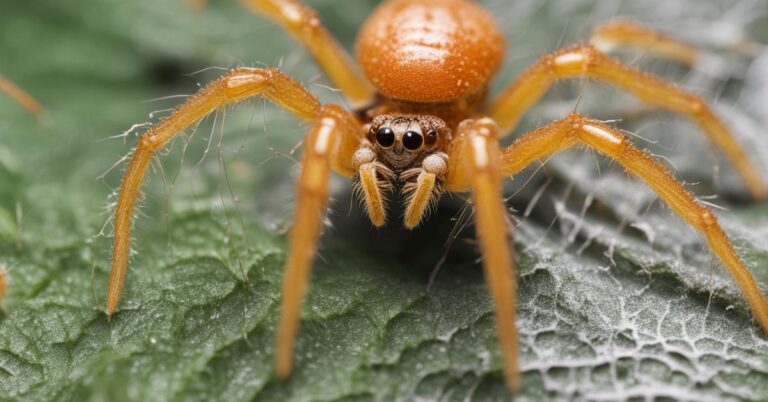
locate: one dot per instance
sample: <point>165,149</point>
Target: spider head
<point>402,141</point>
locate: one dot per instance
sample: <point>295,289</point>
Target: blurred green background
<point>618,299</point>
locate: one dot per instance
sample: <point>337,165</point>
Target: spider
<point>421,126</point>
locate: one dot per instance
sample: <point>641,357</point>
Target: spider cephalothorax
<point>426,127</point>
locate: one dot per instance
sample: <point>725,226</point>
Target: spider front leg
<point>303,23</point>
<point>232,87</point>
<point>576,129</point>
<point>476,165</point>
<point>586,61</point>
<point>330,143</point>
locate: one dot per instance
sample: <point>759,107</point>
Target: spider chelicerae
<point>422,125</point>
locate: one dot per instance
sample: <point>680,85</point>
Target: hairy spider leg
<point>586,61</point>
<point>475,154</point>
<point>21,97</point>
<point>303,23</point>
<point>576,129</point>
<point>234,86</point>
<point>622,32</point>
<point>334,137</point>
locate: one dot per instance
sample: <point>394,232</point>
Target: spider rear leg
<point>234,86</point>
<point>586,61</point>
<point>21,97</point>
<point>330,142</point>
<point>303,23</point>
<point>576,129</point>
<point>475,152</point>
<point>622,32</point>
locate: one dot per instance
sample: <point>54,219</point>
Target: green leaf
<point>619,299</point>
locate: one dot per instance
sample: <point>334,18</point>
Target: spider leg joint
<point>299,17</point>
<point>573,60</point>
<point>149,141</point>
<point>245,82</point>
<point>484,126</point>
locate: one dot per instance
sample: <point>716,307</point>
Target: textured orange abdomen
<point>429,50</point>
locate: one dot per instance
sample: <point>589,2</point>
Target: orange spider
<point>421,126</point>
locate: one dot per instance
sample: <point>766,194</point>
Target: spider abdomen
<point>429,50</point>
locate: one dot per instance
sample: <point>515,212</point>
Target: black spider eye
<point>412,140</point>
<point>431,137</point>
<point>385,137</point>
